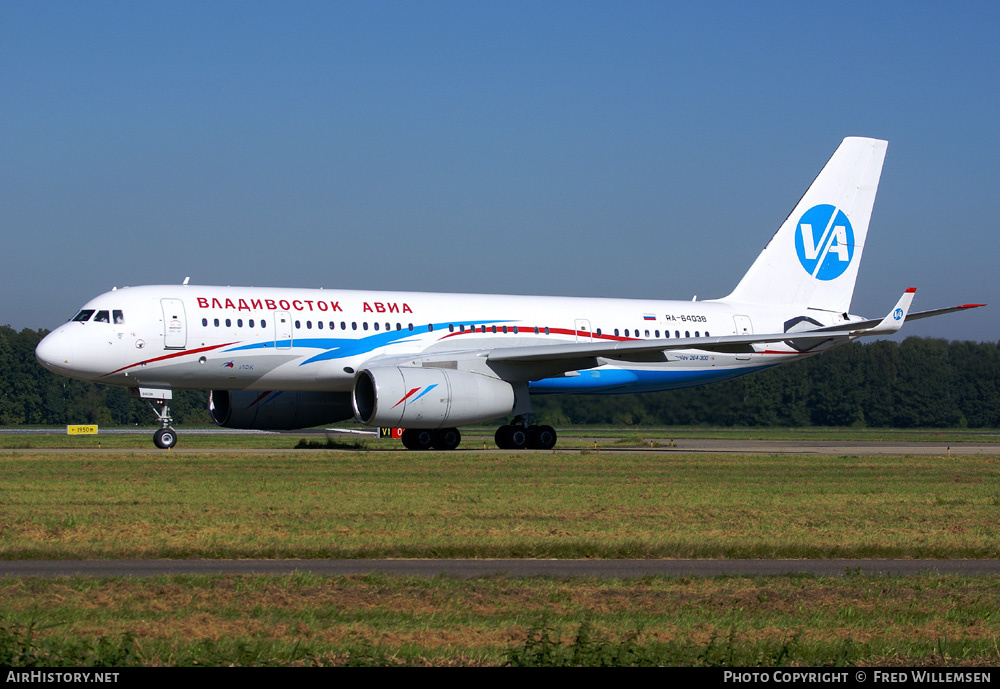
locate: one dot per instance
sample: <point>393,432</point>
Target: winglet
<point>895,318</point>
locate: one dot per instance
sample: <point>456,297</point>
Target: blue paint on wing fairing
<point>587,381</point>
<point>617,381</point>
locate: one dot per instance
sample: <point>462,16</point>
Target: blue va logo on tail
<point>824,241</point>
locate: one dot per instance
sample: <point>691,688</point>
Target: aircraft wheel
<point>511,437</point>
<point>165,438</point>
<point>541,437</point>
<point>417,439</point>
<point>447,439</point>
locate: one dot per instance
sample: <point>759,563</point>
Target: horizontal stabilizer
<point>940,312</point>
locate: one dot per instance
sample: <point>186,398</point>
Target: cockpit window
<point>118,316</point>
<point>84,315</point>
<point>102,317</point>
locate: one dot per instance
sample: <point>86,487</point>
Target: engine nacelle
<point>428,397</point>
<point>277,411</point>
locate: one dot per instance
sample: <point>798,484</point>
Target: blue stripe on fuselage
<point>345,347</point>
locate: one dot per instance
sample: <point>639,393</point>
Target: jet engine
<point>428,397</point>
<point>277,411</point>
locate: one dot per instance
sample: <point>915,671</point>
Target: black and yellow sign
<point>81,430</point>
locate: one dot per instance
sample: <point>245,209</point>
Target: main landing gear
<point>519,435</point>
<point>425,439</point>
<point>166,437</point>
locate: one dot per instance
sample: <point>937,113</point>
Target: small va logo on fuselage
<point>824,241</point>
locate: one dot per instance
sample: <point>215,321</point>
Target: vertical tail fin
<point>812,260</point>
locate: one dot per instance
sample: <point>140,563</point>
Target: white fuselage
<point>254,338</point>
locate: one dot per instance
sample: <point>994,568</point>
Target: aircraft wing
<point>655,350</point>
<point>658,350</point>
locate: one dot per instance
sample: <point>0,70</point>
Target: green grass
<point>389,620</point>
<point>335,503</point>
<point>543,505</point>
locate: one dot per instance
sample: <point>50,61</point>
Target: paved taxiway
<point>798,447</point>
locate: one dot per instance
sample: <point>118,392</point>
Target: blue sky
<point>598,149</point>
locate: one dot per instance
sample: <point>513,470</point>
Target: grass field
<point>582,504</point>
<point>396,504</point>
<point>383,620</point>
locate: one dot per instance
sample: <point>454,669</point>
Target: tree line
<point>919,382</point>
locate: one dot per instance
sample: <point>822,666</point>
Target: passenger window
<point>354,325</point>
<point>239,322</point>
<point>101,317</point>
<point>430,327</point>
<point>309,325</point>
<point>616,332</point>
<point>375,325</point>
<point>263,323</point>
<point>84,315</point>
<point>410,326</point>
<point>298,324</point>
<point>204,322</point>
<point>515,330</point>
<point>319,324</point>
<point>216,322</point>
<point>229,323</point>
<point>364,325</point>
<point>251,322</point>
<point>451,327</point>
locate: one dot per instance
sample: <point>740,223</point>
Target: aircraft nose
<point>55,351</point>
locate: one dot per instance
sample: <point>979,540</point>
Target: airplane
<point>281,358</point>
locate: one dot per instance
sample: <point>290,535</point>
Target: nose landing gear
<point>166,437</point>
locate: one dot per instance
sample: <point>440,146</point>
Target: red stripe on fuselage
<point>530,330</point>
<point>168,356</point>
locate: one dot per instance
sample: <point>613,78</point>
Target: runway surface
<point>518,568</point>
<point>797,447</point>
